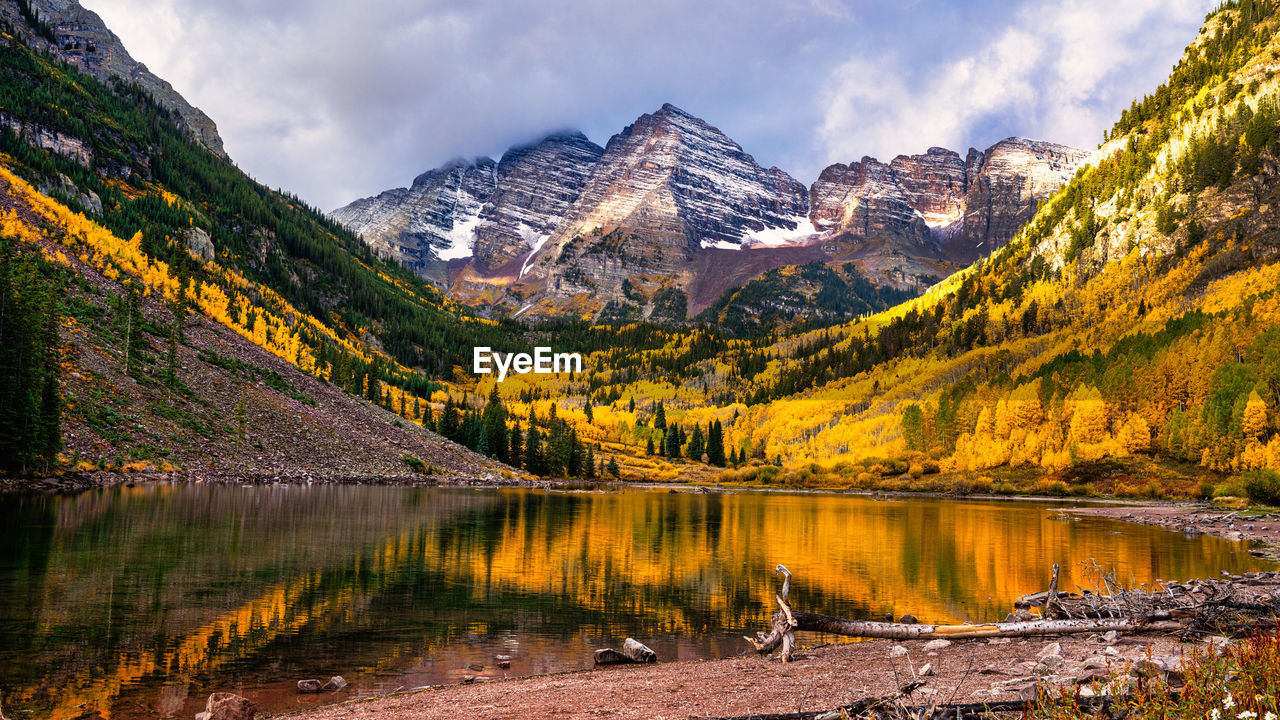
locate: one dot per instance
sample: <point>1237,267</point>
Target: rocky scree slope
<point>236,412</point>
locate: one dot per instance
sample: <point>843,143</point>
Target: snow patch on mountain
<point>802,234</point>
<point>460,240</point>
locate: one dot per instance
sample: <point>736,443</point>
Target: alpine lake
<point>134,602</point>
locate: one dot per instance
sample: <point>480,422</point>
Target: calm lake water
<point>138,602</point>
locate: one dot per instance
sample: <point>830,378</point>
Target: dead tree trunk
<point>787,621</point>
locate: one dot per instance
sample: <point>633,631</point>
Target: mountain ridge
<point>636,219</point>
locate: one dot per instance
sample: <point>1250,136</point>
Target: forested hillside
<point>1127,340</point>
<point>117,226</point>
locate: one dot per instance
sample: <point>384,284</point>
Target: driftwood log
<point>787,621</point>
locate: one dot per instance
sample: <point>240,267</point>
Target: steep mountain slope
<point>672,213</point>
<point>667,187</point>
<point>922,217</point>
<point>192,397</point>
<point>78,36</point>
<point>489,214</point>
<point>428,223</point>
<point>133,207</point>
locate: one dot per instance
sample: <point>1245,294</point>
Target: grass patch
<point>249,371</point>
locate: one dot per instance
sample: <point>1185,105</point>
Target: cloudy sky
<point>335,100</point>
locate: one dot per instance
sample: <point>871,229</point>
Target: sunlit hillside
<point>1134,319</point>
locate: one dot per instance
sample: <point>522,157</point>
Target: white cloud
<point>334,100</point>
<point>1058,71</point>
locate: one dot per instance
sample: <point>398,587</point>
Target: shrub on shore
<point>1241,684</point>
<point>1262,487</point>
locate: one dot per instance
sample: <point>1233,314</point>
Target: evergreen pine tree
<point>648,445</point>
<point>573,458</point>
<point>495,427</point>
<point>373,389</point>
<point>659,417</point>
<point>696,443</point>
<point>135,343</point>
<point>450,423</point>
<point>612,468</point>
<point>515,447</point>
<point>176,328</point>
<point>715,444</point>
<point>533,452</point>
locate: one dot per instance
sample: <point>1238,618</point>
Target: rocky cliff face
<point>537,184</point>
<point>430,222</point>
<point>488,216</point>
<point>1006,183</point>
<point>671,170</point>
<point>673,213</point>
<point>668,187</point>
<point>81,38</point>
<point>922,216</point>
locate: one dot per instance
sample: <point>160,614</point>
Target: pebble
<point>897,651</point>
<point>937,644</point>
<point>927,670</point>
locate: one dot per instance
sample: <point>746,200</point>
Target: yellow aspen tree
<point>1254,422</point>
<point>1089,418</point>
<point>1135,434</point>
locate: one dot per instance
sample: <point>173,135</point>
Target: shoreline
<point>820,677</point>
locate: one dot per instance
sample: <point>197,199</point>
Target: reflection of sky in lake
<point>143,600</point>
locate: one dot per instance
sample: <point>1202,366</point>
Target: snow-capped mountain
<point>487,213</point>
<point>672,213</point>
